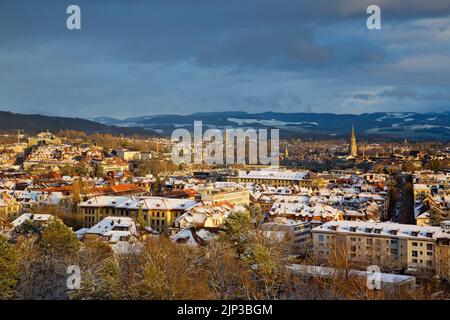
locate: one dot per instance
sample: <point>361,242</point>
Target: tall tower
<point>353,147</point>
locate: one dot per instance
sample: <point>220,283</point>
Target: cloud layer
<point>184,56</point>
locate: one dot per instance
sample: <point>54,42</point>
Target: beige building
<point>297,232</point>
<point>43,138</point>
<point>421,191</point>
<point>443,252</point>
<point>231,195</point>
<point>9,206</point>
<point>111,230</point>
<point>274,178</point>
<point>128,155</point>
<point>159,213</point>
<point>114,165</point>
<point>406,246</point>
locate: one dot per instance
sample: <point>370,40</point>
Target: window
<point>429,246</point>
<point>414,244</point>
<point>320,237</point>
<point>414,254</point>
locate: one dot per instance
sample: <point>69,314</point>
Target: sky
<point>136,57</point>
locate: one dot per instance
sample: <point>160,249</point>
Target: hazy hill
<point>35,123</point>
<point>391,125</point>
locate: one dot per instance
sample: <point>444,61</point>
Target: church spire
<point>353,146</point>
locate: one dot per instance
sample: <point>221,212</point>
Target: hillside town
<point>324,211</point>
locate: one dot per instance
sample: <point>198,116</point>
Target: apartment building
<point>110,229</point>
<point>443,252</point>
<point>298,232</point>
<point>406,246</point>
<point>43,138</point>
<point>8,206</point>
<point>274,178</point>
<point>206,216</point>
<point>114,165</point>
<point>128,155</point>
<point>158,212</point>
<point>231,195</point>
<point>421,191</point>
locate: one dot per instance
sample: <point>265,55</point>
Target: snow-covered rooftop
<point>384,229</point>
<point>272,175</point>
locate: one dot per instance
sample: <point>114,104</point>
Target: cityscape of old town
<point>224,159</point>
<point>140,227</point>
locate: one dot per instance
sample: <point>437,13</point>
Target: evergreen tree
<point>9,269</point>
<point>81,169</point>
<point>157,184</point>
<point>408,166</point>
<point>98,171</point>
<point>237,230</point>
<point>109,279</point>
<point>140,218</point>
<point>59,240</point>
<point>436,217</point>
<point>29,227</point>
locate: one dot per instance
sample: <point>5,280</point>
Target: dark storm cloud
<point>183,56</point>
<point>363,96</point>
<point>406,93</point>
<point>400,93</point>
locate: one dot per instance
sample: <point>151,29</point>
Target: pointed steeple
<point>353,146</point>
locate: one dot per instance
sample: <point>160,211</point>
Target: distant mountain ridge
<point>390,125</point>
<point>36,122</point>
